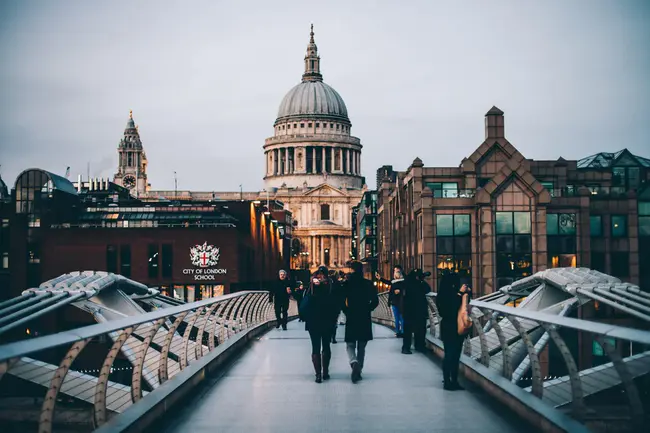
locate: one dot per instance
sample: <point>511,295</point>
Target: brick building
<point>499,216</point>
<point>191,251</point>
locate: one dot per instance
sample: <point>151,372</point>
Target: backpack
<point>464,320</point>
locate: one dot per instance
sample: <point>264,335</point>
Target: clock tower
<point>132,163</point>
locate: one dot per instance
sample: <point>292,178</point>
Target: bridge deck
<point>270,388</point>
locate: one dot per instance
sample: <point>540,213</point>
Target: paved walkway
<point>270,388</point>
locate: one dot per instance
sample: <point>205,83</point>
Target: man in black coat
<point>416,311</point>
<point>279,295</point>
<point>360,299</point>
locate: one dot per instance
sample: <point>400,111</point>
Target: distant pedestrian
<point>279,295</point>
<point>361,299</point>
<point>395,297</point>
<point>298,293</point>
<point>415,310</point>
<point>449,301</point>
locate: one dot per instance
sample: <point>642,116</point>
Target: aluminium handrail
<point>614,331</point>
<point>25,347</point>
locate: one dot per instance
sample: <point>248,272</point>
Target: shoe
<point>356,372</point>
<point>316,361</point>
<point>455,386</point>
<point>326,366</point>
<point>407,352</point>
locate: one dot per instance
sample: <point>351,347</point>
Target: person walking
<point>415,310</point>
<point>395,297</point>
<point>448,301</point>
<point>320,311</point>
<point>298,294</point>
<point>279,295</point>
<point>360,299</point>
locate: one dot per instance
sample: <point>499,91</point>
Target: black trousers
<point>281,310</point>
<point>414,331</point>
<point>320,342</point>
<point>450,363</point>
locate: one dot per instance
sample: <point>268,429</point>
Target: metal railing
<point>597,373</point>
<point>81,378</point>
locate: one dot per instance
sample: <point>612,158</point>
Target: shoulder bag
<point>464,319</point>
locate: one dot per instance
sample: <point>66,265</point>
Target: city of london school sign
<point>205,258</point>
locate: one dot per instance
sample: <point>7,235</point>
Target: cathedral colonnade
<point>313,160</point>
<point>331,250</point>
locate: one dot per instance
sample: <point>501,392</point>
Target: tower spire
<point>312,60</point>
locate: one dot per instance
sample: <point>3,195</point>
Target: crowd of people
<point>329,294</point>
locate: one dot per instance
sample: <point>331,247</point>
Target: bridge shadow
<point>270,388</point>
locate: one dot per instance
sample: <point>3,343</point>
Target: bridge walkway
<point>270,388</point>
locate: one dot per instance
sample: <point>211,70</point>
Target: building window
<point>549,187</point>
<point>111,258</point>
<point>324,212</point>
<point>596,226</point>
<point>5,260</point>
<point>513,247</point>
<point>454,246</point>
<point>125,260</point>
<point>619,226</point>
<point>444,189</point>
<point>153,260</point>
<point>561,240</point>
<point>626,177</point>
<point>644,218</point>
<point>621,264</point>
<point>598,261</point>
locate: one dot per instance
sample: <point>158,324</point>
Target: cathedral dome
<point>313,98</point>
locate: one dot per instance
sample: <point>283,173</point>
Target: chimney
<point>494,127</point>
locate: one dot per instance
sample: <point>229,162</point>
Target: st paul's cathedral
<point>313,167</point>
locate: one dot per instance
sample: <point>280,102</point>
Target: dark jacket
<point>415,305</point>
<point>360,299</point>
<point>448,303</point>
<point>397,299</point>
<point>323,307</point>
<point>278,291</point>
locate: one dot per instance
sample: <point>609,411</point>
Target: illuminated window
<point>513,246</point>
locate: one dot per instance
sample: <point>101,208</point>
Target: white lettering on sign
<point>205,274</point>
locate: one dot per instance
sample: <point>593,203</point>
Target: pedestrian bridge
<point>154,363</point>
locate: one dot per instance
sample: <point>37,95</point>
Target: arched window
<point>324,212</point>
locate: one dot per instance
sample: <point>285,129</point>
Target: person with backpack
<point>451,296</point>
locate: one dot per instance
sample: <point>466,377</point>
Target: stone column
<point>276,166</point>
<point>287,169</point>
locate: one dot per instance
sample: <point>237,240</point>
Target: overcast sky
<point>205,78</point>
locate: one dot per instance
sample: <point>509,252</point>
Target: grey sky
<point>205,79</point>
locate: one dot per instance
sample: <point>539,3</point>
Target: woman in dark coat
<point>322,309</point>
<point>360,300</point>
<point>415,311</point>
<point>448,302</point>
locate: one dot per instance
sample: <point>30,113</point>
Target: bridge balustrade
<point>84,377</point>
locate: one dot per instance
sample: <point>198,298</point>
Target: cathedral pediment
<point>325,190</point>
